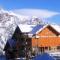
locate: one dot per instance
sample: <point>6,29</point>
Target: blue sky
<point>50,5</point>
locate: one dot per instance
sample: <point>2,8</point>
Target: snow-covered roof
<point>54,26</point>
<point>25,28</point>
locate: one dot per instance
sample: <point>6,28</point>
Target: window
<point>46,48</point>
<point>49,48</point>
<point>58,47</point>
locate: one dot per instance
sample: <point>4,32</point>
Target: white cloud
<point>36,12</point>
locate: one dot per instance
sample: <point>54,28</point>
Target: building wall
<point>46,41</point>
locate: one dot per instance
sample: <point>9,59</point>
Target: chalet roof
<point>55,27</point>
<point>39,28</point>
<point>11,43</point>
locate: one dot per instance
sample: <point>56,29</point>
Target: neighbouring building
<point>18,45</point>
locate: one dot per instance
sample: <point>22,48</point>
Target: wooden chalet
<point>46,38</point>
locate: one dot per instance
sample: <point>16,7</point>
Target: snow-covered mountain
<point>21,19</point>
